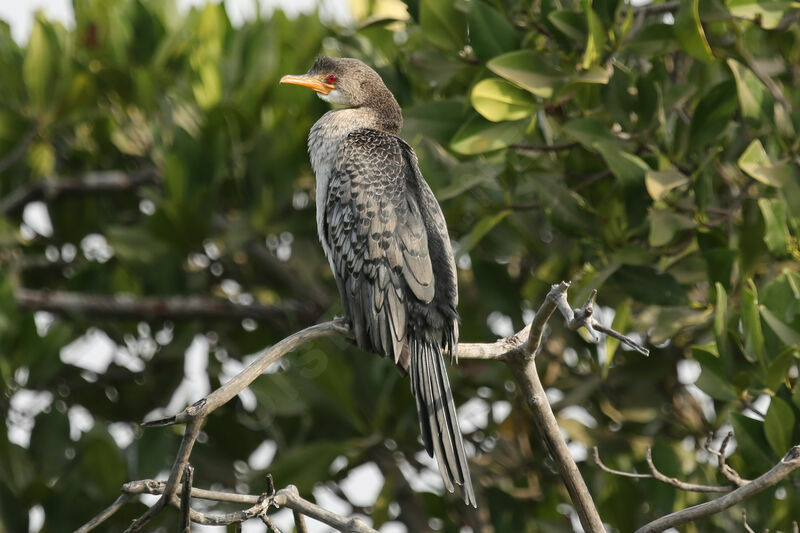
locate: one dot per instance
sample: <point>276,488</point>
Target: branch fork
<point>517,351</point>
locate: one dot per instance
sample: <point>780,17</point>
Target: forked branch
<point>517,351</point>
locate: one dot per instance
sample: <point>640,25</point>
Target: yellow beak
<point>309,81</point>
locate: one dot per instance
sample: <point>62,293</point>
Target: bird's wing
<point>377,238</point>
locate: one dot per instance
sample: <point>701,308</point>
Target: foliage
<point>651,156</point>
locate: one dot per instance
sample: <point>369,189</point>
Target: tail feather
<point>437,417</point>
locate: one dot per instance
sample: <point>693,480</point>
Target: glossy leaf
<point>778,426</point>
<point>491,34</point>
<point>529,71</point>
<point>690,31</point>
<point>755,162</point>
<point>751,324</point>
<point>498,100</point>
<point>478,136</point>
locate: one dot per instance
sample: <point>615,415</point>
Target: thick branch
<point>787,464</point>
<point>91,183</point>
<point>523,366</point>
<point>164,308</point>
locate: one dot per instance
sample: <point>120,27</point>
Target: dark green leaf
<point>778,426</point>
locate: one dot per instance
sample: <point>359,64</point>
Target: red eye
<point>331,79</point>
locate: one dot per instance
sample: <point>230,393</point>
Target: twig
<point>164,308</point>
<point>604,468</point>
<point>744,521</point>
<point>91,183</point>
<point>186,499</point>
<point>678,483</point>
<point>657,475</point>
<point>729,473</point>
<point>787,464</point>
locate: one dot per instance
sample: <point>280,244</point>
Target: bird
<point>386,239</point>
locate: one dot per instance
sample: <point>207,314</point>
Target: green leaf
<point>480,230</point>
<point>721,321</point>
<point>779,368</point>
<point>656,40</point>
<point>570,23</point>
<point>528,70</point>
<point>490,32</point>
<point>712,115</point>
<point>786,334</point>
<point>755,162</point>
<point>713,379</point>
<point>596,38</point>
<point>767,14</point>
<point>751,444</point>
<point>498,100</point>
<point>659,182</point>
<point>41,66</point>
<point>135,244</point>
<point>751,324</point>
<point>650,286</point>
<point>752,93</point>
<point>690,32</point>
<point>443,24</point>
<point>565,209</point>
<point>478,136</point>
<point>778,425</point>
<point>49,439</point>
<point>628,168</point>
<point>438,120</point>
<point>664,224</point>
<point>306,464</point>
<point>776,231</point>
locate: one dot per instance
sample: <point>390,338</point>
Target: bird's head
<point>349,82</point>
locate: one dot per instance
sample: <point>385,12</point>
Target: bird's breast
<point>324,141</point>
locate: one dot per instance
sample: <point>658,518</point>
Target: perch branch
<point>164,308</point>
<point>785,466</point>
<point>91,183</point>
<point>517,351</point>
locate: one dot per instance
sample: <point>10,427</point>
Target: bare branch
<point>604,468</point>
<point>91,183</point>
<point>186,499</point>
<point>675,482</point>
<point>165,308</point>
<point>729,473</point>
<point>523,367</point>
<point>785,466</point>
<point>517,351</point>
<point>656,474</point>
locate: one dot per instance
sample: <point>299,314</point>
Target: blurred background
<point>157,229</point>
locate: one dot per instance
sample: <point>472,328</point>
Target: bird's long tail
<point>438,422</point>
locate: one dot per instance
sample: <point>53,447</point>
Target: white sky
<point>19,13</point>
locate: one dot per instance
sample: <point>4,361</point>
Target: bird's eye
<point>331,79</point>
